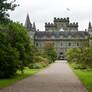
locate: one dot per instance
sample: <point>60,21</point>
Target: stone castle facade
<point>61,32</point>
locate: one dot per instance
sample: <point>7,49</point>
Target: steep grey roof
<point>62,33</point>
<point>28,24</point>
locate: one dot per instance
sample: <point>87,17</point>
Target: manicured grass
<point>85,76</point>
<point>19,76</point>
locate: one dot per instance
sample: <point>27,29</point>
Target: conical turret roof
<point>34,26</point>
<point>89,26</point>
<point>28,24</point>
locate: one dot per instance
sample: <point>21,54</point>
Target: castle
<point>61,32</point>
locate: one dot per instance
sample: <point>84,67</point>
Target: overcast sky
<point>42,11</point>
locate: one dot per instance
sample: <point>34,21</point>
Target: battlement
<point>73,24</point>
<point>61,23</point>
<point>50,25</point>
<point>61,19</point>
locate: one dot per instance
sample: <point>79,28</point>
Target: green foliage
<point>73,55</point>
<point>5,6</point>
<point>8,57</point>
<point>50,51</point>
<point>40,59</point>
<point>88,56</point>
<point>35,66</point>
<point>15,49</point>
<point>82,56</point>
<point>39,62</point>
<point>19,39</point>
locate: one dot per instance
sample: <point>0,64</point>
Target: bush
<point>35,66</point>
<point>80,67</point>
<point>41,59</point>
<point>82,56</point>
<point>87,57</point>
<point>73,55</point>
<point>39,62</point>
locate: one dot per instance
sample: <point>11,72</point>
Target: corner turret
<point>34,26</point>
<point>90,28</point>
<point>31,28</point>
<point>28,24</point>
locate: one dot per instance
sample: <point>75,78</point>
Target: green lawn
<point>85,76</point>
<point>27,72</point>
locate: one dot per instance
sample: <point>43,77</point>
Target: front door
<point>61,56</point>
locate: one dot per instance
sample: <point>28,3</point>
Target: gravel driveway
<point>57,78</point>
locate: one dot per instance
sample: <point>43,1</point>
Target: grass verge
<point>84,75</point>
<point>19,76</point>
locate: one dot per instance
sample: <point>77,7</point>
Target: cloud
<point>42,11</point>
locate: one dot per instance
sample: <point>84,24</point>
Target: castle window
<point>77,44</point>
<point>69,44</point>
<point>61,44</point>
<point>36,44</point>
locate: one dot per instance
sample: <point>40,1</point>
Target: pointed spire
<point>89,26</point>
<point>28,24</point>
<point>34,26</point>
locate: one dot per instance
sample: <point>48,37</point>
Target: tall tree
<point>50,51</point>
<point>5,6</point>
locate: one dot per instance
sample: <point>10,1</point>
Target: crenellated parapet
<point>50,25</point>
<point>61,19</point>
<point>73,24</point>
<point>61,23</point>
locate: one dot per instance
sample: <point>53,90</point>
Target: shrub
<point>87,59</point>
<point>73,55</point>
<point>82,56</point>
<point>39,61</point>
<point>35,66</point>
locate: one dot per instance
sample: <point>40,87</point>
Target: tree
<point>50,51</point>
<point>5,6</point>
<point>88,57</point>
<point>8,57</point>
<point>73,55</point>
<point>18,37</point>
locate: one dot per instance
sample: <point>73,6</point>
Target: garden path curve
<point>56,78</point>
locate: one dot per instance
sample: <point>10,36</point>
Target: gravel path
<point>57,78</point>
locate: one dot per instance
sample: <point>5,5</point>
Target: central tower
<point>61,24</point>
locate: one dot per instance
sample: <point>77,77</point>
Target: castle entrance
<point>61,56</point>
